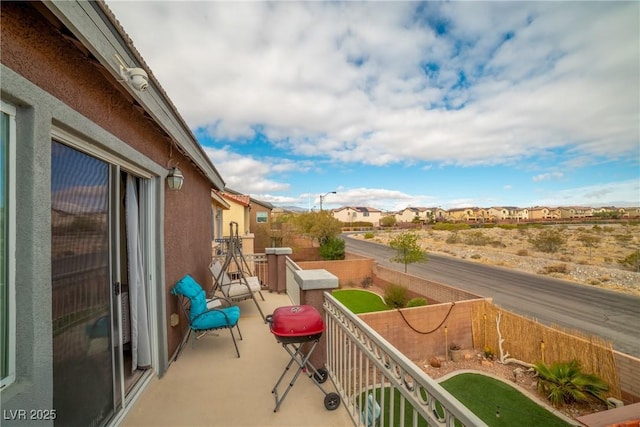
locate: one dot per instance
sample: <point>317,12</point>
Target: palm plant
<point>564,382</point>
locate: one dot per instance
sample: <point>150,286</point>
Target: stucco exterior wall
<point>237,214</point>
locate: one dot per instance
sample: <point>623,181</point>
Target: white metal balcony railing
<point>364,367</point>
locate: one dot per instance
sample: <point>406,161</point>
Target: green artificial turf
<point>360,301</point>
<point>497,403</point>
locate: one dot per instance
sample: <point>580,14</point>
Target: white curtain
<point>140,342</point>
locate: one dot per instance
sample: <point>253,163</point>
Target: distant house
<point>575,212</point>
<point>461,214</point>
<point>411,214</point>
<point>540,213</point>
<point>632,212</point>
<point>218,205</point>
<point>350,214</point>
<point>440,214</point>
<point>519,214</point>
<point>498,213</point>
<point>614,212</point>
<point>237,219</point>
<point>94,233</point>
<point>260,218</point>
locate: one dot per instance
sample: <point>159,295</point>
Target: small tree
<point>549,240</point>
<point>407,249</point>
<point>589,241</point>
<point>318,226</point>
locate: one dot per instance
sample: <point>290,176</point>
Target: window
<point>7,244</point>
<point>262,217</point>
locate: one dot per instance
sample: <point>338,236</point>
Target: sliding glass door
<point>82,292</point>
<point>98,287</point>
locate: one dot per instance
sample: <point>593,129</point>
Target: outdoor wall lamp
<point>175,179</point>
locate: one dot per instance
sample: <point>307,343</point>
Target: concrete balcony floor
<point>209,386</point>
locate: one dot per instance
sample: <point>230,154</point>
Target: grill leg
<point>302,361</point>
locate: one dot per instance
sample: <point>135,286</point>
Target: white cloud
<point>347,77</point>
<point>236,169</point>
<point>626,193</point>
<point>379,198</point>
<point>548,176</point>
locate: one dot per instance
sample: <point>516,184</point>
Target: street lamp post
<point>323,196</point>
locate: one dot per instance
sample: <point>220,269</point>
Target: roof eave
<point>95,26</point>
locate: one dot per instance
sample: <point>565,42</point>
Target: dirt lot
<point>597,265</point>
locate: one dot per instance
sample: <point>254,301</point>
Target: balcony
<point>209,385</point>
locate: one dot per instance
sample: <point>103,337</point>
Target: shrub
<point>367,282</point>
<point>488,353</point>
<point>332,249</point>
<point>623,238</point>
<point>388,221</point>
<point>523,252</point>
<point>564,382</point>
<point>476,238</point>
<point>395,296</point>
<point>475,256</point>
<point>556,268</point>
<point>453,238</point>
<point>632,261</point>
<point>368,235</point>
<point>549,241</point>
<point>447,226</point>
<point>417,302</point>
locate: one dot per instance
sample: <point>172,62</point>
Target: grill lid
<point>296,321</point>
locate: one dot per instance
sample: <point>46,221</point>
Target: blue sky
<point>396,104</point>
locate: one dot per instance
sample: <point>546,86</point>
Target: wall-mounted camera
<point>136,77</point>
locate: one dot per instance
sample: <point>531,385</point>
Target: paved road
<point>611,315</point>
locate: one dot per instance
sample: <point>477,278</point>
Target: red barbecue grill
<point>293,326</point>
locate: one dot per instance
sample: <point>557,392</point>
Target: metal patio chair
<point>205,315</point>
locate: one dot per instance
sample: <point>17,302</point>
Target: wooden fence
<point>530,341</point>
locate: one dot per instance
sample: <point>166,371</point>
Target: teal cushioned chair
<point>205,315</point>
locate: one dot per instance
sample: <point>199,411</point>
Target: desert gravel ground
<point>512,248</point>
